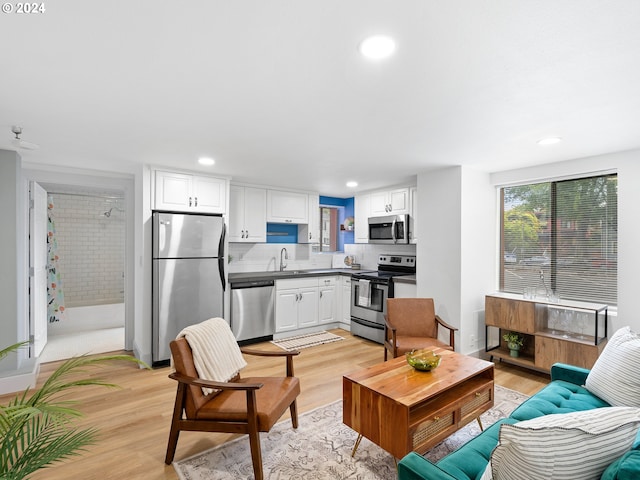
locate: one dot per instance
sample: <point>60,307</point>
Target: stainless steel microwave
<point>393,229</point>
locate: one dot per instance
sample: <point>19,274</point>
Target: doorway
<point>91,223</point>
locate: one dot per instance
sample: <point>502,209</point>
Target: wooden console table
<point>546,340</point>
<point>402,409</point>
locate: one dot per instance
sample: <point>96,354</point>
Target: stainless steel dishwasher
<point>253,310</point>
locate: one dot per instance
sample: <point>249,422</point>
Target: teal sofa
<point>564,394</point>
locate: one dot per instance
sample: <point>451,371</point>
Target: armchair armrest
<point>388,325</point>
<point>200,382</point>
<point>569,373</point>
<point>452,331</point>
<point>445,324</point>
<point>390,338</point>
<point>264,353</point>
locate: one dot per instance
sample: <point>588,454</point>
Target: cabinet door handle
<point>196,201</point>
<point>309,235</point>
<point>247,234</point>
<point>436,418</point>
<point>190,201</point>
<point>241,233</point>
<point>320,294</point>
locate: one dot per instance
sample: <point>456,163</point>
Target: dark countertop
<point>317,272</point>
<point>410,279</point>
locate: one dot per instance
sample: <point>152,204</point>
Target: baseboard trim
<point>20,381</point>
<point>140,356</point>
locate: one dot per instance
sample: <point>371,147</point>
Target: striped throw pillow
<point>565,446</point>
<point>614,377</point>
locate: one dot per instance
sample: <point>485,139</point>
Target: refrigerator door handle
<point>221,256</point>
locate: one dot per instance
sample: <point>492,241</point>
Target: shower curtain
<point>55,295</point>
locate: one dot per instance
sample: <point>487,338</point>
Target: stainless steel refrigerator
<point>188,275</point>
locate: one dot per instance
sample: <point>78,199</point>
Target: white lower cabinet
<point>307,304</point>
<point>345,302</point>
<point>296,303</point>
<point>404,290</point>
<point>327,300</point>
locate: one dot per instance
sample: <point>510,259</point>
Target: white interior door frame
<point>38,231</point>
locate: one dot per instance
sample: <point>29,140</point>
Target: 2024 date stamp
<point>24,8</point>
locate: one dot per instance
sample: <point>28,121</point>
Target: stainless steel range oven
<point>369,293</point>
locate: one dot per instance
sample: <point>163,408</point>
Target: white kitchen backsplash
<point>265,257</point>
<point>366,254</point>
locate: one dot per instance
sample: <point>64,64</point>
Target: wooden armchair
<point>410,324</point>
<point>241,405</point>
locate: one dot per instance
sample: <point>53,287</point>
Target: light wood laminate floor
<point>134,419</point>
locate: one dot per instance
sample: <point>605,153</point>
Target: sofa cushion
<point>565,446</point>
<point>626,467</point>
<point>558,397</point>
<point>613,377</point>
<point>467,461</point>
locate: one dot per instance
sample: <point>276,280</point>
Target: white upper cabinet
<point>310,233</point>
<point>413,226</point>
<point>389,202</point>
<point>247,214</point>
<point>190,193</point>
<point>362,209</point>
<point>287,207</point>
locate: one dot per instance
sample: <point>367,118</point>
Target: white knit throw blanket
<point>216,354</point>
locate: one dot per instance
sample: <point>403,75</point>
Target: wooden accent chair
<point>241,405</point>
<point>412,323</point>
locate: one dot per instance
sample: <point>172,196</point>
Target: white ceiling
<point>277,93</point>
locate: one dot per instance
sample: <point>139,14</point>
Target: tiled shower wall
<point>90,248</point>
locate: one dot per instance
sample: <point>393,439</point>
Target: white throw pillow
<point>614,377</point>
<point>564,446</point>
<point>487,474</point>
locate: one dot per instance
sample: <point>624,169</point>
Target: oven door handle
<point>367,323</point>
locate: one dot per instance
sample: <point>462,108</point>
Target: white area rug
<point>320,449</point>
<point>304,341</point>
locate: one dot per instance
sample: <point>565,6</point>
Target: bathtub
<point>93,317</point>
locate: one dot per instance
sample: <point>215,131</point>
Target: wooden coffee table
<point>403,410</point>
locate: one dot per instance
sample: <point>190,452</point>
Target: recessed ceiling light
<point>377,47</point>
<point>549,141</point>
<point>352,184</point>
<point>206,161</point>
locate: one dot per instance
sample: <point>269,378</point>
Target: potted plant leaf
<point>515,341</point>
<point>36,428</point>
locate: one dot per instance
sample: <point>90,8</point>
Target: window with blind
<point>562,237</point>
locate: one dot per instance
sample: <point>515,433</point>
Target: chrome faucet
<point>283,265</point>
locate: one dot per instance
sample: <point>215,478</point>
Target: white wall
<point>438,252</point>
<point>17,371</point>
<point>478,269</point>
<point>456,250</point>
<point>142,262</point>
